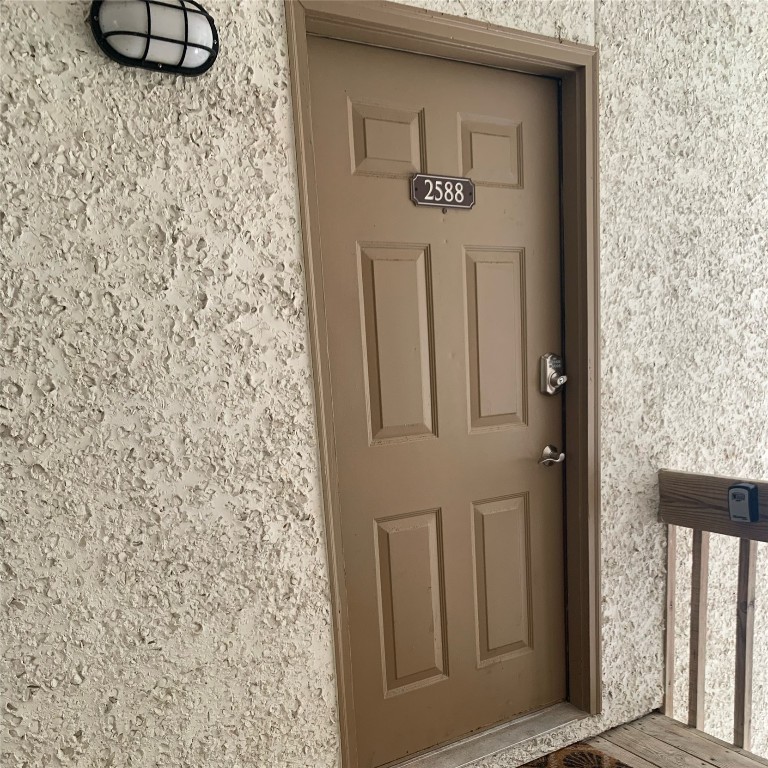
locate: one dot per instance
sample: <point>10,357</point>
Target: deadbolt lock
<point>552,377</point>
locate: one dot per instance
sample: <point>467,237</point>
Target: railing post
<point>669,636</point>
<point>698,657</point>
<point>745,626</point>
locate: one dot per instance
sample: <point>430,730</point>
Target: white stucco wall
<point>685,302</point>
<point>163,588</point>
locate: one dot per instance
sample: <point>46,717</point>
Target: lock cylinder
<point>557,380</point>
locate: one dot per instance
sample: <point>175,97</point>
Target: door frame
<point>399,27</point>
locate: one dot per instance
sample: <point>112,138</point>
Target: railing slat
<point>669,637</point>
<point>698,657</point>
<point>745,626</point>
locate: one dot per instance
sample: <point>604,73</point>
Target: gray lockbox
<point>743,503</point>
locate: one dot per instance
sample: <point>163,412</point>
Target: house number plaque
<point>442,191</point>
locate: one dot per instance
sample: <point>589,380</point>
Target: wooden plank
<point>698,653</point>
<point>758,761</point>
<point>654,750</point>
<point>619,753</point>
<point>701,502</point>
<point>745,630</point>
<point>669,632</point>
<point>689,740</point>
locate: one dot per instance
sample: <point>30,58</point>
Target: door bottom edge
<point>495,739</point>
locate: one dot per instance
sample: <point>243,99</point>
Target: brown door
<point>452,533</point>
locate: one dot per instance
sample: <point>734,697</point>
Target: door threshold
<point>496,739</point>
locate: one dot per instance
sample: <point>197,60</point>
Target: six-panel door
<point>452,533</point>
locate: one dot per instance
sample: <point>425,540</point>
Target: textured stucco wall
<point>163,588</point>
<point>685,303</point>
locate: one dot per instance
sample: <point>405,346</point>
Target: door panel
<point>386,141</point>
<point>492,151</point>
<point>411,600</point>
<point>452,533</point>
<point>502,564</point>
<point>496,336</point>
<point>397,305</point>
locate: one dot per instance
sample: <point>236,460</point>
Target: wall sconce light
<point>176,36</point>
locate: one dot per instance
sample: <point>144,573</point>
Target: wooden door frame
<point>400,27</point>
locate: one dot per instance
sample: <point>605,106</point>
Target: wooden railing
<point>700,502</point>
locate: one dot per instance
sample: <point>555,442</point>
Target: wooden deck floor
<point>656,741</point>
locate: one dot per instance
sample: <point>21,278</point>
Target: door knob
<point>550,455</point>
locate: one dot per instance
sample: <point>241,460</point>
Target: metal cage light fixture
<point>176,36</point>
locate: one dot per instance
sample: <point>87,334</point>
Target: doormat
<point>577,756</point>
